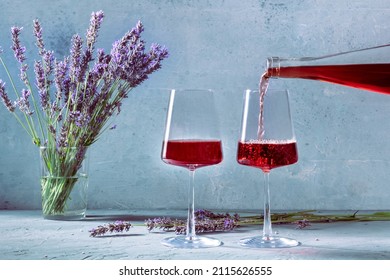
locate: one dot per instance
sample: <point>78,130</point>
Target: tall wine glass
<point>191,141</point>
<point>267,141</point>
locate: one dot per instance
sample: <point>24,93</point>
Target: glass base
<point>191,243</point>
<point>268,242</point>
<point>68,216</point>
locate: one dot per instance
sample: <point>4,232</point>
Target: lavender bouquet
<point>70,101</point>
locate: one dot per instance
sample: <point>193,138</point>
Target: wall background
<point>343,133</point>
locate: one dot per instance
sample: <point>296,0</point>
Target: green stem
<point>55,193</point>
<point>37,111</point>
<point>30,123</point>
<point>9,77</point>
<point>59,177</point>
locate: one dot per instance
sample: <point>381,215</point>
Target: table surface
<point>27,236</point>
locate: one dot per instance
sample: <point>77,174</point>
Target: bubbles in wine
<point>270,141</point>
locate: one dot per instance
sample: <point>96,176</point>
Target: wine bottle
<point>367,69</point>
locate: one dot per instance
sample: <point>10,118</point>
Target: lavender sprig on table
<point>205,221</point>
<point>116,227</point>
<point>208,225</point>
<point>163,223</point>
<point>301,224</point>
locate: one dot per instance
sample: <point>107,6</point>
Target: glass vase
<point>64,182</point>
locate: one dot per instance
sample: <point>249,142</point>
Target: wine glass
<point>267,141</point>
<point>191,141</point>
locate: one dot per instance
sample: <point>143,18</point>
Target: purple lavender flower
<point>74,68</point>
<point>164,223</point>
<point>201,214</point>
<point>229,224</point>
<point>48,60</point>
<point>23,103</point>
<point>156,55</point>
<point>82,120</point>
<point>62,140</point>
<point>38,36</point>
<point>92,33</point>
<point>84,64</point>
<point>130,62</point>
<point>4,97</point>
<point>73,116</point>
<point>16,46</point>
<point>81,150</point>
<point>139,28</point>
<point>60,74</point>
<point>92,94</point>
<point>66,84</point>
<point>19,53</point>
<point>125,51</point>
<point>102,58</point>
<point>97,99</point>
<point>41,84</point>
<point>101,66</point>
<point>99,71</point>
<point>23,74</point>
<point>52,130</point>
<point>117,227</point>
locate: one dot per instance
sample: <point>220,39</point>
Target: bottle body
<point>367,69</point>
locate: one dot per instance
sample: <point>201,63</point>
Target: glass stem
<point>191,208</point>
<point>267,225</point>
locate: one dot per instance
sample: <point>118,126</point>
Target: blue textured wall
<point>343,133</point>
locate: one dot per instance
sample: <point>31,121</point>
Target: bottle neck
<point>273,67</point>
<point>276,66</point>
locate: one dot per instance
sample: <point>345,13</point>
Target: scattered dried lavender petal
<point>302,224</point>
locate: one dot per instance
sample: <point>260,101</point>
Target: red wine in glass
<point>267,155</point>
<point>192,153</point>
